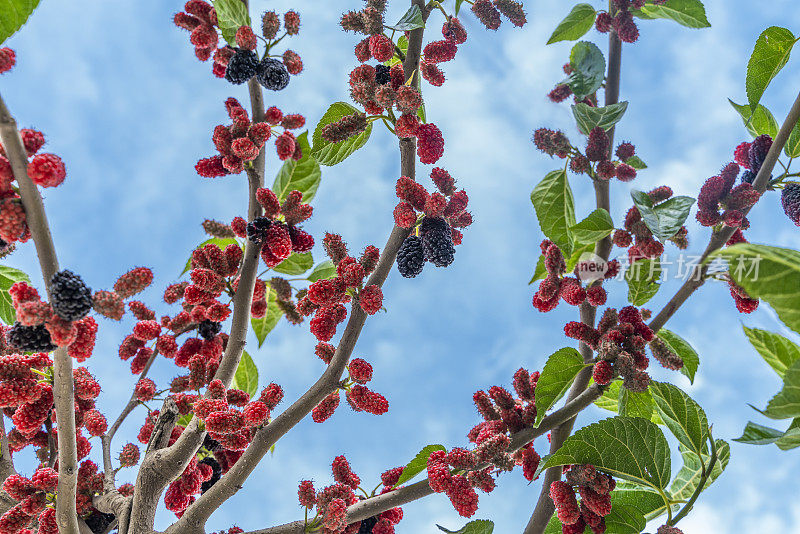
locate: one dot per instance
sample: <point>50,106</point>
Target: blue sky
<point>121,98</point>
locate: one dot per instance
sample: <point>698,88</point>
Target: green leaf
<point>770,55</point>
<point>246,377</point>
<point>184,420</point>
<point>579,251</point>
<point>231,14</point>
<point>759,122</point>
<point>635,404</point>
<point>323,270</point>
<point>792,148</point>
<point>8,277</point>
<point>665,219</point>
<point>596,226</point>
<point>646,501</point>
<point>588,69</point>
<point>479,526</point>
<point>560,370</point>
<point>418,464</point>
<point>681,347</point>
<point>689,13</point>
<point>221,242</point>
<point>402,44</point>
<point>575,25</point>
<point>263,326</point>
<point>688,478</point>
<point>636,162</point>
<point>333,153</point>
<point>683,416</point>
<point>589,117</point>
<point>791,439</point>
<point>778,351</point>
<point>13,14</point>
<point>303,175</point>
<point>609,400</point>
<point>458,5</point>
<point>410,21</point>
<point>555,208</point>
<point>642,277</point>
<point>786,404</point>
<point>755,434</point>
<point>768,273</point>
<point>540,272</point>
<point>631,448</point>
<point>297,263</point>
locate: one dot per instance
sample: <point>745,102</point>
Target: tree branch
<point>721,237</point>
<point>193,520</point>
<point>62,368</point>
<point>544,507</point>
<point>406,494</point>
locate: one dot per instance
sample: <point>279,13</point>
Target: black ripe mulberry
<point>748,177</point>
<point>758,152</point>
<point>209,460</point>
<point>272,74</point>
<point>242,66</point>
<point>30,338</point>
<point>410,257</point>
<point>790,198</point>
<point>367,525</point>
<point>70,298</point>
<point>257,229</point>
<point>208,329</point>
<point>437,241</point>
<point>382,75</point>
<point>98,522</point>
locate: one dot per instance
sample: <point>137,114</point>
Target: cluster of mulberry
<point>331,502</point>
<point>457,473</point>
<point>637,237</point>
<point>443,213</point>
<point>620,340</point>
<point>720,192</point>
<point>239,64</point>
<point>111,304</point>
<point>556,286</point>
<point>596,161</point>
<point>594,489</point>
<point>45,170</point>
<point>622,22</point>
<point>326,298</point>
<point>488,12</point>
<point>33,496</point>
<point>41,327</point>
<point>240,143</point>
<point>278,239</point>
<point>358,395</point>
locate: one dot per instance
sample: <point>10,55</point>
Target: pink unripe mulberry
<point>7,59</point>
<point>381,47</point>
<point>47,170</point>
<point>360,370</point>
<point>133,282</point>
<point>625,173</point>
<point>596,296</point>
<point>95,423</point>
<point>603,373</point>
<point>255,413</point>
<point>367,400</point>
<point>430,143</point>
<point>371,299</point>
<point>440,51</point>
<point>598,145</point>
<point>145,390</point>
<point>245,38</point>
<point>453,30</point>
<point>565,502</point>
<point>324,410</point>
<point>487,14</point>
<point>404,215</point>
<point>306,494</point>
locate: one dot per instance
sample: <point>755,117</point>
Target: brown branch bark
<point>48,262</point>
<point>6,461</point>
<point>196,515</point>
<point>721,237</point>
<point>375,505</point>
<point>544,507</point>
